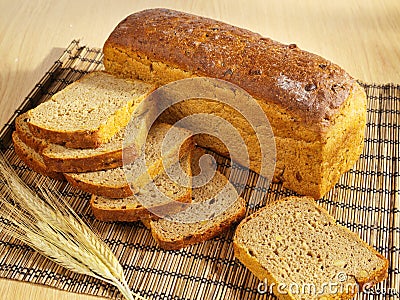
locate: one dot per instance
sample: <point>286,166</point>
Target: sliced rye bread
<point>88,112</point>
<point>59,158</point>
<point>301,251</point>
<point>200,223</point>
<point>113,183</point>
<point>33,159</point>
<point>130,209</point>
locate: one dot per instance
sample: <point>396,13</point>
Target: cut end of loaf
<point>296,242</point>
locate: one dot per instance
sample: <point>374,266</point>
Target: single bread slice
<point>188,228</point>
<point>299,249</point>
<point>88,112</point>
<point>59,158</point>
<point>130,209</point>
<point>113,183</point>
<point>32,159</point>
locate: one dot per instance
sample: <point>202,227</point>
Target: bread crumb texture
<point>87,103</point>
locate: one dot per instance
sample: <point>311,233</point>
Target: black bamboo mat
<point>366,200</point>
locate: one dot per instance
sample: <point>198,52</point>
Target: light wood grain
<point>17,290</point>
<point>362,36</point>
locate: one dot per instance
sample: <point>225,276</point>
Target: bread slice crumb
<point>299,249</point>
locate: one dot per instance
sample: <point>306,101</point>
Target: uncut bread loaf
<point>113,183</point>
<point>59,158</point>
<point>33,159</point>
<point>317,111</point>
<point>88,112</point>
<point>300,250</point>
<point>133,208</point>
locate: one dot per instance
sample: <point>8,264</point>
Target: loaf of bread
<point>88,112</point>
<point>298,248</point>
<point>317,111</point>
<point>59,158</point>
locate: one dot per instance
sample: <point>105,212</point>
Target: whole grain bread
<point>130,209</point>
<point>215,208</point>
<point>113,183</point>
<point>88,112</point>
<point>300,250</point>
<point>317,111</point>
<point>59,158</point>
<point>33,159</point>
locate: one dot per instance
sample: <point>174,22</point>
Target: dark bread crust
<point>261,66</point>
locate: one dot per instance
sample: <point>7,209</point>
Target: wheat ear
<point>50,226</point>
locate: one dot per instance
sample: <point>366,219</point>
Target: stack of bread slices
<point>80,135</point>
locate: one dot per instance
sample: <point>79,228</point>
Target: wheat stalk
<point>50,226</point>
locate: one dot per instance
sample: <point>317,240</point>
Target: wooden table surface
<point>363,36</point>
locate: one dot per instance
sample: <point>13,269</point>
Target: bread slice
<point>33,159</point>
<point>88,112</point>
<point>59,158</point>
<point>188,229</point>
<point>113,183</point>
<point>299,249</point>
<point>130,209</point>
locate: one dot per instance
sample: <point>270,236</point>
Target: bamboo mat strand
<point>366,200</point>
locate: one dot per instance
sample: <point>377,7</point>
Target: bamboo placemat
<point>366,200</point>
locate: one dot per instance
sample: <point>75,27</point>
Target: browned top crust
<point>309,86</point>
